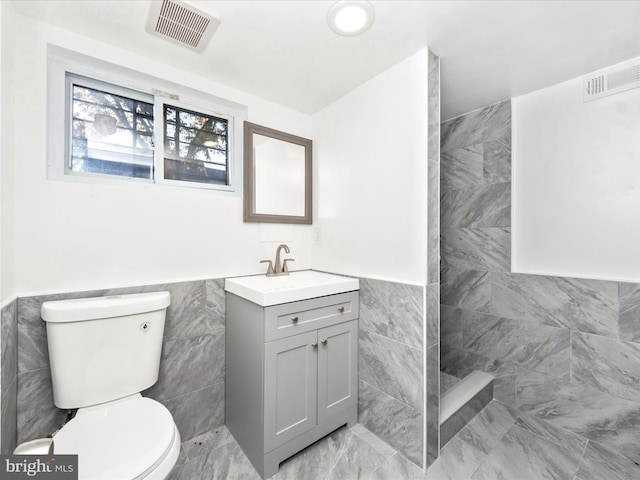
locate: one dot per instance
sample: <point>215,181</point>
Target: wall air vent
<point>610,81</point>
<point>182,24</point>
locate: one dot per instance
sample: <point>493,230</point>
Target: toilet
<point>103,352</point>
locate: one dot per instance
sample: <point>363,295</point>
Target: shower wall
<point>475,238</point>
<point>399,338</point>
<point>555,344</point>
<point>432,291</point>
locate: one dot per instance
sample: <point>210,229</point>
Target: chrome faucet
<point>281,268</point>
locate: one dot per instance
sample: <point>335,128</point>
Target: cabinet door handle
<point>341,309</point>
<point>323,341</point>
<point>294,319</point>
<point>314,344</point>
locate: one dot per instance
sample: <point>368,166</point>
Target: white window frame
<point>189,103</point>
<point>64,64</point>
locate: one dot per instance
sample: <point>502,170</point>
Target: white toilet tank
<point>104,348</point>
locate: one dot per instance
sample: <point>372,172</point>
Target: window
<point>195,146</point>
<point>151,131</point>
<point>110,134</point>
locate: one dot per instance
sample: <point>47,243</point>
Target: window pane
<point>196,148</point>
<point>187,135</point>
<point>111,134</point>
<point>145,142</point>
<point>170,114</point>
<point>170,148</point>
<point>144,109</point>
<point>144,124</point>
<point>220,127</point>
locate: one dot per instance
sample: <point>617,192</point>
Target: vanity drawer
<point>306,315</point>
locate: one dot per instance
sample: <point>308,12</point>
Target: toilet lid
<point>118,440</point>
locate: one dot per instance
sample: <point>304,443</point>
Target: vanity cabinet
<point>291,374</point>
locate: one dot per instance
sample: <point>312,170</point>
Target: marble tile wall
<point>191,380</point>
<point>390,361</point>
<point>9,374</point>
<point>432,314</point>
<point>563,349</point>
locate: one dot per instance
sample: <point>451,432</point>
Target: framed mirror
<point>277,176</point>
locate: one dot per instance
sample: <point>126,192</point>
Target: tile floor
<point>500,443</point>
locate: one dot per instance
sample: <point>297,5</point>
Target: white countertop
<point>266,291</point>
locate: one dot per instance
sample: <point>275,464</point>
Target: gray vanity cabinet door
<point>337,368</point>
<point>290,389</point>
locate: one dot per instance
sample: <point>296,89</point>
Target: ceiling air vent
<point>181,24</point>
<point>611,81</point>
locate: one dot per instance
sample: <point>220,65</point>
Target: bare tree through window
<point>196,147</point>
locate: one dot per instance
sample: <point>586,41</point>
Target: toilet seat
<point>124,439</point>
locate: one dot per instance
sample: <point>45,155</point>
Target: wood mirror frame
<point>250,214</point>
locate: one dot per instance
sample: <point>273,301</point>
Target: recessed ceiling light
<point>350,17</point>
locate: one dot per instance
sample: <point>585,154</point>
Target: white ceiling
<point>285,52</point>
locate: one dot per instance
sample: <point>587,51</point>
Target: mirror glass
<point>278,163</point>
<point>277,176</point>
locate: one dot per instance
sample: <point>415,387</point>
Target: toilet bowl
<point>131,438</point>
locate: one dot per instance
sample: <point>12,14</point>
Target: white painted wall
<point>2,59</point>
<point>76,236</point>
<point>370,177</point>
<point>2,148</point>
<point>7,253</point>
<point>576,183</point>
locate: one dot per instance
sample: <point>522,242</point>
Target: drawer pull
<point>294,319</point>
<point>323,341</point>
<point>314,344</point>
<point>341,309</point>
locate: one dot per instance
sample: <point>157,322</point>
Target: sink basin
<point>266,291</point>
